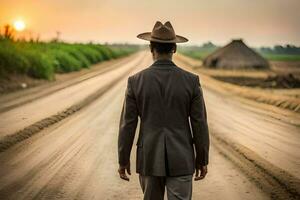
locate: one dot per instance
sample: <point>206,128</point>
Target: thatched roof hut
<point>235,55</point>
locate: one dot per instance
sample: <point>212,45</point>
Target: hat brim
<point>147,36</point>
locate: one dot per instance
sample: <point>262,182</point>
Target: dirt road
<point>76,158</point>
<point>34,111</point>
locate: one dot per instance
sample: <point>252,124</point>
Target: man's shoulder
<point>187,73</point>
<point>139,73</point>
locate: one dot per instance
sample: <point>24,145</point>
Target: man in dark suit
<point>173,140</point>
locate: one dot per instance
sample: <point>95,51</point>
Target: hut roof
<point>235,55</point>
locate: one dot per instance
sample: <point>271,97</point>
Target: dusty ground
<point>77,158</point>
<point>17,82</point>
<point>286,67</point>
<point>276,82</point>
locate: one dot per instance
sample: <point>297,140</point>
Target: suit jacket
<point>170,104</point>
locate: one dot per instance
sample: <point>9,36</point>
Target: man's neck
<point>163,57</point>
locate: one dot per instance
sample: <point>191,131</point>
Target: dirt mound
<point>284,81</point>
<point>279,81</point>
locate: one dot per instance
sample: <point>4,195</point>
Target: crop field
<point>281,57</point>
<point>42,60</point>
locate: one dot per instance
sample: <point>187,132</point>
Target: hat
<point>163,33</point>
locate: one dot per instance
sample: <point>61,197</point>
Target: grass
<point>200,55</point>
<point>197,52</point>
<point>43,60</point>
<point>281,57</point>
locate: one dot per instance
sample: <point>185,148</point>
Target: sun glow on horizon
<point>19,25</point>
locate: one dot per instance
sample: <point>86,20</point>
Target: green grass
<point>282,57</point>
<point>197,52</point>
<point>200,55</point>
<point>43,60</point>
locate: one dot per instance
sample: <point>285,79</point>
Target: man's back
<point>169,102</point>
<point>162,95</point>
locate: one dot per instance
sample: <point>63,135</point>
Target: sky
<point>258,22</point>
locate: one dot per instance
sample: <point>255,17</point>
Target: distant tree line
<point>208,46</point>
<point>279,49</point>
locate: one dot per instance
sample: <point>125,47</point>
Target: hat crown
<point>163,31</point>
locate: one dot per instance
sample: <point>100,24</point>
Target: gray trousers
<point>178,188</point>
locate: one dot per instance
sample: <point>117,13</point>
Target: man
<point>170,104</point>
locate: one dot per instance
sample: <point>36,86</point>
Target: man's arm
<point>200,130</point>
<point>127,127</point>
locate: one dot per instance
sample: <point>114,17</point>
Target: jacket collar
<point>163,64</point>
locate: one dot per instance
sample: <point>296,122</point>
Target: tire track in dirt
<point>72,160</point>
<point>277,183</point>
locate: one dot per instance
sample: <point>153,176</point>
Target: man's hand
<point>122,172</point>
<point>203,170</point>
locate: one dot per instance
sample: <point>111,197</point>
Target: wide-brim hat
<point>163,33</point>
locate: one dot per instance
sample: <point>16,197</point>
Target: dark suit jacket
<point>170,104</point>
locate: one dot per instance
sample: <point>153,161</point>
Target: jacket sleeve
<point>127,126</point>
<point>199,125</point>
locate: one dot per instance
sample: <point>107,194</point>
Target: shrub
<point>106,52</point>
<point>40,65</point>
<point>75,52</point>
<point>91,54</point>
<point>42,60</point>
<point>64,62</point>
<point>12,60</point>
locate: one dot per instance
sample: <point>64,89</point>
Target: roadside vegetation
<point>43,59</point>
